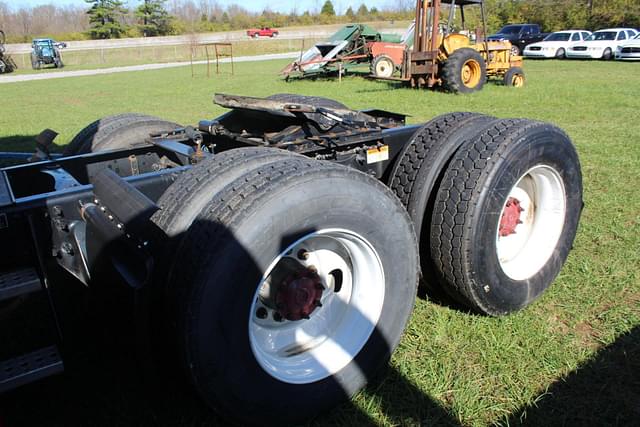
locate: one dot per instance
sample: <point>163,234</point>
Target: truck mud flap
<point>119,229</point>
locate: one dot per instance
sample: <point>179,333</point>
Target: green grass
<point>571,358</point>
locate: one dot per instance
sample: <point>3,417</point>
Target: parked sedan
<point>601,44</point>
<point>629,50</point>
<point>555,45</point>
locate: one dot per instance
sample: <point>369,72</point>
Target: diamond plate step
<point>19,282</point>
<point>30,367</point>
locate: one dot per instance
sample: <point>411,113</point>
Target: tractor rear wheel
<point>514,77</point>
<point>465,71</point>
<point>506,215</point>
<point>382,66</point>
<point>35,64</point>
<point>306,302</point>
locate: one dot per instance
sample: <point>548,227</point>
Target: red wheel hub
<point>299,295</point>
<point>510,217</point>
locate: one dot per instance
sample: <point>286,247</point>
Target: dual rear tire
<point>496,204</point>
<point>291,281</point>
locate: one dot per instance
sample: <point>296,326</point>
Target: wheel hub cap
<point>299,295</point>
<point>510,217</point>
<point>470,73</point>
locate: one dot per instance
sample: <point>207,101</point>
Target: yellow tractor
<point>441,57</point>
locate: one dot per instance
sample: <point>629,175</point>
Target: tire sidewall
<point>220,345</point>
<point>128,136</point>
<point>544,146</point>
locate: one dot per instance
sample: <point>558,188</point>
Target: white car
<point>602,44</point>
<point>629,50</point>
<point>555,45</point>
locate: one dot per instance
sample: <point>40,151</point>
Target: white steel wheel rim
<point>384,68</point>
<point>308,350</point>
<point>541,195</point>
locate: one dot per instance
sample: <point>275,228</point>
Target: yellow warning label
<point>379,154</point>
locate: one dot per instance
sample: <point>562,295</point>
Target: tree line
<point>111,19</point>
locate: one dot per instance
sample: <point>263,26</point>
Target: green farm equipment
<point>346,49</point>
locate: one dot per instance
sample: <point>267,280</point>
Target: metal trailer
<point>279,247</point>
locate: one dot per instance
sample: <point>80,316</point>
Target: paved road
<point>318,31</point>
<point>63,74</point>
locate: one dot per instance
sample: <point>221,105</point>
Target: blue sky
<point>277,5</point>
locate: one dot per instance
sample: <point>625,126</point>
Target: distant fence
<point>97,58</point>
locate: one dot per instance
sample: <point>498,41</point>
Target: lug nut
<point>262,313</point>
<point>67,248</point>
<point>303,254</point>
<point>277,316</point>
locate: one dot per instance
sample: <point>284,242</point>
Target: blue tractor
<point>46,52</point>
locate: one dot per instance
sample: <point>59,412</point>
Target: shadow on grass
<point>603,392</point>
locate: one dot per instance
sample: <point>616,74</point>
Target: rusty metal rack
<point>219,51</point>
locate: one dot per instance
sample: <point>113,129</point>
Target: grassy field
<point>572,358</point>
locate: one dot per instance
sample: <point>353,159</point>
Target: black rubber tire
<point>469,204</point>
<point>419,169</point>
<point>130,135</point>
<point>452,71</point>
<point>607,54</point>
<point>215,279</point>
<point>509,78</point>
<point>34,63</point>
<point>86,135</point>
<point>196,187</point>
<point>120,131</point>
<point>318,101</point>
<point>382,59</point>
<point>3,38</point>
<point>561,53</point>
<point>515,50</point>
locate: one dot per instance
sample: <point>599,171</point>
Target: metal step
<point>19,282</point>
<point>30,367</point>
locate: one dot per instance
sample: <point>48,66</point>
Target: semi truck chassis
<point>285,240</point>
